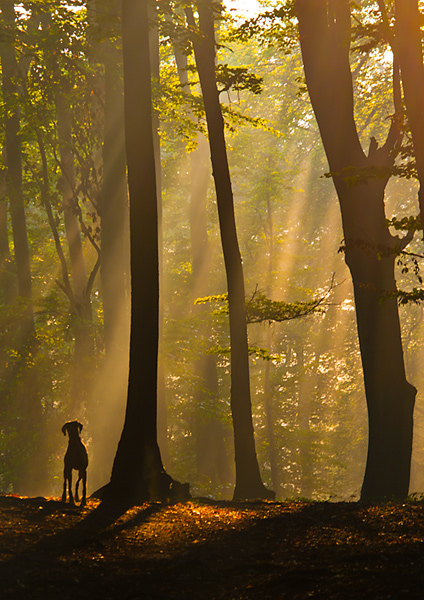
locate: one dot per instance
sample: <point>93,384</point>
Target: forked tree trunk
<point>370,248</point>
<point>248,479</point>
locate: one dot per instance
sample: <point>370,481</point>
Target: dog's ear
<point>79,426</point>
<point>64,428</point>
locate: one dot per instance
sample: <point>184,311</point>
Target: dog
<point>75,458</point>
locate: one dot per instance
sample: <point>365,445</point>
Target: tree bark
<point>248,479</point>
<point>324,28</point>
<point>137,473</point>
<point>154,48</point>
<point>409,49</point>
<point>211,456</point>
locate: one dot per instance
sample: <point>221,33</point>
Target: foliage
<point>237,78</point>
<point>276,26</point>
<point>405,223</point>
<point>259,308</point>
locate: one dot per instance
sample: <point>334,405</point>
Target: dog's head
<point>72,427</point>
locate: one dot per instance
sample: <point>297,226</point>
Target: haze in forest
<point>308,400</point>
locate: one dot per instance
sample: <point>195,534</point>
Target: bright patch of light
<point>245,8</point>
<point>347,305</point>
<point>388,56</point>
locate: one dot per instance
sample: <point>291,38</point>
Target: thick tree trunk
<point>410,53</point>
<point>370,248</point>
<point>248,479</point>
<point>162,422</point>
<point>137,473</point>
<point>390,398</point>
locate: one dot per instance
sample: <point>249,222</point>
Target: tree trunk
<point>114,211</point>
<point>409,49</point>
<point>154,49</point>
<point>26,399</point>
<point>7,272</point>
<point>211,456</point>
<point>268,393</point>
<point>14,170</point>
<point>137,473</point>
<point>248,479</point>
<point>390,398</point>
<point>306,391</point>
<point>370,248</point>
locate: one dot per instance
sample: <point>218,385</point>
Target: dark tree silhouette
<point>409,49</point>
<point>248,479</point>
<point>325,32</point>
<point>138,473</point>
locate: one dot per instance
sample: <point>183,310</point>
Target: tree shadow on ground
<point>212,550</point>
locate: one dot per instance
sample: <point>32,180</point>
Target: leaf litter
<point>211,550</point>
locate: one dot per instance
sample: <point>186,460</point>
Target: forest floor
<point>209,549</point>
